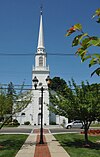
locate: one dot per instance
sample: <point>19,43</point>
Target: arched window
<point>41,61</point>
<point>40,84</point>
<point>23,114</point>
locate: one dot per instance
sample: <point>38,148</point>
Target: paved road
<point>62,130</point>
<point>16,130</point>
<point>28,130</point>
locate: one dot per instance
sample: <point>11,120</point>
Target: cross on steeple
<point>41,8</point>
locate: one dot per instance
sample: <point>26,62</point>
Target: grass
<point>74,145</point>
<point>10,144</point>
<point>95,125</point>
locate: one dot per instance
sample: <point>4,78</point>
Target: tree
<point>6,100</point>
<point>12,103</point>
<point>10,97</point>
<point>79,103</point>
<point>85,41</point>
<point>57,84</point>
<point>2,104</point>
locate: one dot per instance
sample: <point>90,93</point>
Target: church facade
<point>40,70</point>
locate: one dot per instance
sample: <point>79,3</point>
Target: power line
<point>24,89</point>
<point>17,87</point>
<point>32,54</point>
<point>20,85</point>
<point>61,54</point>
<point>16,54</point>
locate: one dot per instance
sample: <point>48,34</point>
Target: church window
<point>23,114</point>
<point>40,61</point>
<point>40,84</point>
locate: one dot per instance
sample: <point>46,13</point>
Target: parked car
<point>74,124</point>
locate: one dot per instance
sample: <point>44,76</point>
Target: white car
<point>74,124</point>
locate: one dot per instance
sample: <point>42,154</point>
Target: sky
<point>19,26</point>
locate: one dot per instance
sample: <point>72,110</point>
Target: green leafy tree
<point>10,97</point>
<point>78,103</point>
<point>85,41</point>
<point>2,104</point>
<point>12,103</point>
<point>57,84</point>
<point>6,100</point>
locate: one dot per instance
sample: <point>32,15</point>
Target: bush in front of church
<point>27,123</point>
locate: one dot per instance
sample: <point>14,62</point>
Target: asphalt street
<point>16,130</point>
<point>28,130</point>
<point>63,130</point>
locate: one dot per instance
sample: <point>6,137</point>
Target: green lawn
<point>10,144</point>
<point>74,145</point>
<point>95,125</point>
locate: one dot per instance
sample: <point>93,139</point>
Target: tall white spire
<point>41,35</point>
<point>40,56</point>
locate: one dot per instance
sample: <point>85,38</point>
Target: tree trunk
<point>86,133</point>
<point>5,122</point>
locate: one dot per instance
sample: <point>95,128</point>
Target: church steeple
<point>41,72</point>
<point>40,56</point>
<point>40,47</point>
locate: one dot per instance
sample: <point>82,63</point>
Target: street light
<point>35,81</point>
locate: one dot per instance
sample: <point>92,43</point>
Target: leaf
<point>96,55</point>
<point>73,29</point>
<point>85,58</point>
<point>86,43</point>
<point>97,13</point>
<point>82,55</point>
<point>93,62</point>
<point>95,59</point>
<point>81,52</point>
<point>70,31</point>
<point>83,35</point>
<point>98,20</point>
<point>95,41</point>
<point>97,71</point>
<point>77,39</point>
<point>78,26</point>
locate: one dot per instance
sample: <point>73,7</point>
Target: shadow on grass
<point>80,144</point>
<point>11,144</point>
<point>14,144</point>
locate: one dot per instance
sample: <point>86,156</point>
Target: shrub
<point>27,123</point>
<point>52,123</point>
<point>15,122</point>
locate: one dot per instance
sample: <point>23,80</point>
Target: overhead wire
<point>32,54</point>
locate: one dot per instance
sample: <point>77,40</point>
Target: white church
<point>32,113</point>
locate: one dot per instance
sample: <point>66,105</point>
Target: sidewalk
<point>28,149</point>
<point>50,148</point>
